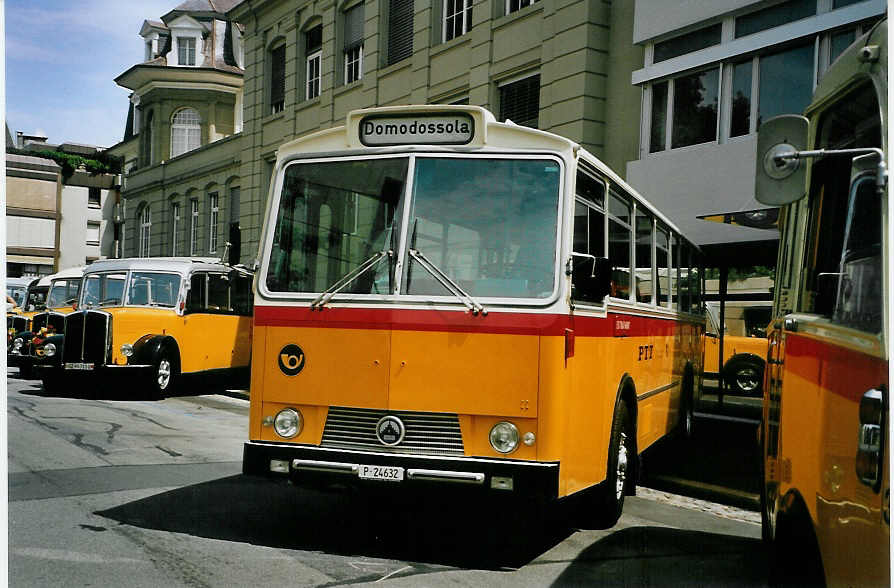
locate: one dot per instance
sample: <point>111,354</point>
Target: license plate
<point>79,366</point>
<point>384,473</point>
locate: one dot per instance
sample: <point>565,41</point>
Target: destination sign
<point>452,129</point>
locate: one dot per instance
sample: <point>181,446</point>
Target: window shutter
<point>354,27</point>
<point>400,30</point>
<point>520,101</point>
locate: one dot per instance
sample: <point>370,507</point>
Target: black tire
<point>609,496</point>
<point>26,371</point>
<point>744,376</point>
<point>795,558</point>
<point>165,374</point>
<point>50,384</point>
<point>687,418</point>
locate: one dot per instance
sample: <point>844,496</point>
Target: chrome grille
<point>427,433</point>
<point>87,337</point>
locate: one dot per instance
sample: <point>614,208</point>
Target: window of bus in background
<point>662,265</point>
<point>620,242</point>
<point>489,224</point>
<point>645,272</point>
<point>589,235</point>
<point>695,283</point>
<point>332,217</point>
<point>63,293</point>
<point>218,293</point>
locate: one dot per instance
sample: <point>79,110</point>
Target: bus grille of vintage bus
<point>87,337</point>
<point>427,433</point>
<point>19,323</point>
<point>51,319</point>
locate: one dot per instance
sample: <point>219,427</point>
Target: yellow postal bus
<point>448,301</point>
<point>825,493</point>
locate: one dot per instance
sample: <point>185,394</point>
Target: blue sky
<point>61,62</point>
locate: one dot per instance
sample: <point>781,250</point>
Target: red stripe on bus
<point>512,323</point>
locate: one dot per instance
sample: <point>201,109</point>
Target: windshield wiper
<point>454,288</point>
<point>335,288</point>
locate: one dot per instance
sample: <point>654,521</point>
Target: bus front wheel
<point>621,466</point>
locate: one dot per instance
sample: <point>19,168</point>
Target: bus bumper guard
<point>308,465</point>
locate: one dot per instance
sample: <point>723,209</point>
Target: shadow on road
<point>660,556</point>
<point>442,531</point>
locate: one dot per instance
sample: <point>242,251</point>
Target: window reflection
<point>786,82</point>
<point>695,108</point>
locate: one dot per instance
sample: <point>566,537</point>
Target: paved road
<point>115,492</point>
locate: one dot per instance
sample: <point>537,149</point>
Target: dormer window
<point>186,50</point>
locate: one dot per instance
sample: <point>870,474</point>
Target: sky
<point>61,62</point>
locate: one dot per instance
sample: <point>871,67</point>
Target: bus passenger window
<point>644,269</point>
<point>218,293</point>
<point>589,237</point>
<point>662,283</point>
<point>195,300</point>
<point>619,242</point>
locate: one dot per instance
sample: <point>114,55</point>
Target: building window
<point>313,49</point>
<point>457,18</point>
<point>400,30</point>
<point>94,197</point>
<point>194,226</point>
<point>93,233</point>
<point>145,228</point>
<point>520,101</point>
<point>175,226</point>
<point>186,131</point>
<point>774,16</point>
<point>353,49</point>
<point>692,112</point>
<point>840,41</point>
<point>147,147</point>
<point>513,5</point>
<point>186,51</point>
<point>694,41</point>
<point>786,82</point>
<point>277,58</point>
<point>213,213</point>
<point>740,115</point>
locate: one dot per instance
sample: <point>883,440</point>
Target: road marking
<point>386,576</point>
<point>72,556</point>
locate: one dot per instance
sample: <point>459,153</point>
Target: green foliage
<point>742,273</point>
<point>100,163</point>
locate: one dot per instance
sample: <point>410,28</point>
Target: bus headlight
<point>287,423</point>
<point>18,343</point>
<point>504,437</point>
<point>49,349</point>
<point>127,350</point>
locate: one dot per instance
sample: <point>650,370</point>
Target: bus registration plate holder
<point>78,366</point>
<point>382,473</point>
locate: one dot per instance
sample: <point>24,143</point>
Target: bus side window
<point>620,242</point>
<point>195,300</point>
<point>240,293</point>
<point>589,236</point>
<point>858,303</point>
<point>219,293</point>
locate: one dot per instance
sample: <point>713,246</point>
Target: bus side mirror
<point>779,180</point>
<point>590,274</point>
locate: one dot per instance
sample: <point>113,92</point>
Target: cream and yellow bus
<point>825,492</point>
<point>448,301</point>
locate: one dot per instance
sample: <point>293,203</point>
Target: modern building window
<point>175,227</point>
<point>353,47</point>
<point>194,226</point>
<point>774,16</point>
<point>695,108</point>
<point>513,5</point>
<point>457,18</point>
<point>145,230</point>
<point>786,82</point>
<point>93,233</point>
<point>694,41</point>
<point>277,60</point>
<point>520,101</point>
<point>213,214</point>
<point>313,50</point>
<point>843,3</point>
<point>186,51</point>
<point>840,41</point>
<point>658,136</point>
<point>740,115</point>
<point>94,197</point>
<point>400,30</point>
<point>186,131</point>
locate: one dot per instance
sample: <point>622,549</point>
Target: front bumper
<point>18,360</point>
<point>309,465</point>
<point>105,372</point>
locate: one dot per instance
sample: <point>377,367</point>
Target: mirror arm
<point>881,179</point>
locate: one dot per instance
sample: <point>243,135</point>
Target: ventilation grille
<point>427,433</point>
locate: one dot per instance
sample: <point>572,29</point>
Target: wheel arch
<point>147,349</point>
<point>627,394</point>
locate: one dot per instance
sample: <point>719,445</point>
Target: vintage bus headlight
<point>504,437</point>
<point>287,423</point>
<point>18,343</point>
<point>49,349</point>
<point>127,350</point>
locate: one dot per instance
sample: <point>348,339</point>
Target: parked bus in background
<point>445,301</point>
<point>825,493</point>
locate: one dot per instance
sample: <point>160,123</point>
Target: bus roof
<point>66,274</point>
<point>180,265</point>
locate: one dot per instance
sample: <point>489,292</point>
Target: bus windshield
<point>103,289</point>
<point>152,289</point>
<point>63,292</point>
<point>488,223</point>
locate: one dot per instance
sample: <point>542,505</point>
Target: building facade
<point>558,65</point>
<point>181,147</point>
<point>55,222</point>
<point>711,73</point>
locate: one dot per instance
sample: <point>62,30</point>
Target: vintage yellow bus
<point>446,301</point>
<point>825,493</point>
<point>145,323</point>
